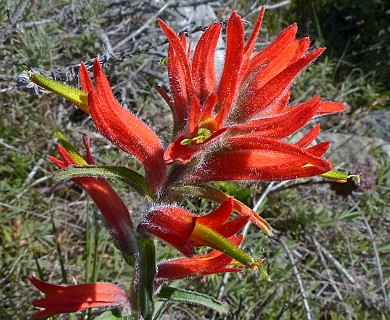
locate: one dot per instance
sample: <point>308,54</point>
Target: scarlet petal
<point>245,211</point>
<point>216,220</point>
<point>274,88</point>
<point>210,193</point>
<point>219,215</point>
<point>115,213</point>
<point>67,299</point>
<point>280,126</point>
<point>193,116</point>
<point>276,108</point>
<point>210,263</point>
<point>272,51</point>
<point>60,164</point>
<point>234,54</point>
<point>185,153</point>
<point>171,224</point>
<point>319,149</point>
<point>330,107</point>
<point>180,77</point>
<point>203,70</point>
<point>85,80</point>
<point>253,37</point>
<point>177,83</point>
<point>309,137</point>
<point>207,109</point>
<point>125,130</point>
<point>259,159</point>
<point>87,145</point>
<point>271,68</point>
<point>165,96</point>
<point>302,48</point>
<point>66,156</point>
<point>178,152</point>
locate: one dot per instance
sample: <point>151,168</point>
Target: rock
<point>369,135</point>
<point>351,148</point>
<point>195,16</point>
<point>375,124</point>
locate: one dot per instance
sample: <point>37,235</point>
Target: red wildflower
<point>121,127</point>
<point>114,211</point>
<point>246,111</point>
<point>204,264</point>
<point>67,299</point>
<point>184,230</point>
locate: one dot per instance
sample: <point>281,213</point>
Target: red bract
<point>252,158</point>
<point>244,118</point>
<point>121,127</point>
<point>115,213</point>
<point>204,264</point>
<point>67,299</point>
<point>177,226</point>
<point>184,230</point>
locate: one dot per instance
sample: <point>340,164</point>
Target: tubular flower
<point>208,192</point>
<point>246,111</point>
<point>204,264</point>
<point>67,299</point>
<point>184,230</point>
<point>114,211</point>
<point>121,127</point>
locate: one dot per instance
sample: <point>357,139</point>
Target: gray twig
<point>70,74</point>
<point>11,25</point>
<point>144,26</point>
<point>377,260</point>
<point>337,265</point>
<point>7,146</point>
<point>14,265</point>
<point>27,188</point>
<point>298,277</point>
<point>270,187</point>
<point>277,5</point>
<point>323,262</point>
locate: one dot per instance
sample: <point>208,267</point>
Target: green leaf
<point>147,273</point>
<point>111,315</point>
<point>130,177</point>
<point>171,294</point>
<point>350,215</point>
<point>75,96</point>
<point>208,192</point>
<point>217,241</point>
<point>339,176</point>
<point>70,148</point>
<point>142,289</point>
<point>384,247</point>
<point>159,307</point>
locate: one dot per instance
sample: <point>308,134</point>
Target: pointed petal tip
<point>319,51</point>
<point>291,29</point>
<point>235,18</point>
<point>97,67</point>
<point>327,107</point>
<point>169,33</point>
<point>82,66</point>
<point>272,233</point>
<point>161,22</point>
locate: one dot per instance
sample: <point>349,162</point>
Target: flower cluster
<point>234,126</point>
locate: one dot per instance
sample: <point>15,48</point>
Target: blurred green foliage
<point>355,32</point>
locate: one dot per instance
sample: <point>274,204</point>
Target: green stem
<point>215,240</point>
<point>142,303</point>
<point>175,173</point>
